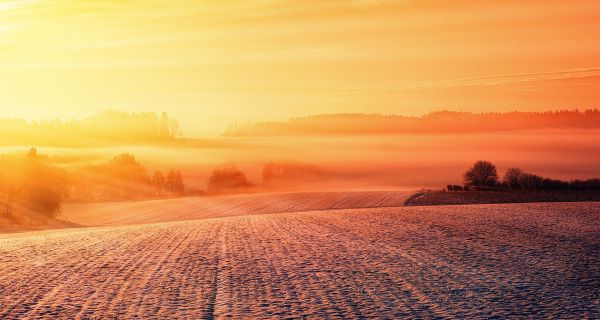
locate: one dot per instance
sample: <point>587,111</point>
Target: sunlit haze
<point>299,159</point>
<point>212,63</point>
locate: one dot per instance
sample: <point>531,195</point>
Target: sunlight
<point>239,61</point>
<point>10,5</point>
<point>252,159</point>
<point>7,8</point>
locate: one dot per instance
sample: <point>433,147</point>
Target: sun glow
<point>299,158</point>
<point>239,61</point>
<point>10,5</point>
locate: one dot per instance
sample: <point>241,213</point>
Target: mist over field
<point>405,161</point>
<point>277,159</point>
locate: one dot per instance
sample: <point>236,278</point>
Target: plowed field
<point>536,260</point>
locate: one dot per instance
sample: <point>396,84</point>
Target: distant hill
<point>435,122</point>
<point>106,128</point>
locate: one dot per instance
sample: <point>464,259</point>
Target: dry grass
<point>539,260</point>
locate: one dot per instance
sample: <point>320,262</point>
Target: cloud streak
<point>491,80</point>
<point>260,60</point>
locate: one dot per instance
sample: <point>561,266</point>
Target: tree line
<point>433,122</point>
<point>276,174</point>
<point>483,174</point>
<point>123,177</point>
<point>107,127</point>
<point>32,188</point>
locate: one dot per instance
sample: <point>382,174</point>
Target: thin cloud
<point>492,80</point>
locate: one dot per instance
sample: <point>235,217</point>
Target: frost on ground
<point>537,260</point>
<point>136,212</point>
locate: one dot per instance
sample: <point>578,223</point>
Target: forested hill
<point>435,122</point>
<point>106,128</point>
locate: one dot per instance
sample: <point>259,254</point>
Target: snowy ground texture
<point>508,260</point>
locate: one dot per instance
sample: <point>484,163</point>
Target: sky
<point>213,63</point>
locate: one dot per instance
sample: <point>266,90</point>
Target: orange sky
<point>211,63</point>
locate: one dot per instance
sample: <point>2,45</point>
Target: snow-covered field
<point>267,257</point>
<point>135,212</point>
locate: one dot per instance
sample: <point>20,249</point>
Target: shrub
<point>227,177</point>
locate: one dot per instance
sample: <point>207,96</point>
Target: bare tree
<point>513,178</point>
<point>482,173</point>
<point>531,181</point>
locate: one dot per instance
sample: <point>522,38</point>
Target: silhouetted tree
<point>482,173</point>
<point>553,184</point>
<point>585,185</point>
<point>517,179</point>
<point>531,181</point>
<point>513,178</point>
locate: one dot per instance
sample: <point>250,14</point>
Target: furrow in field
<point>123,213</point>
<point>430,262</point>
